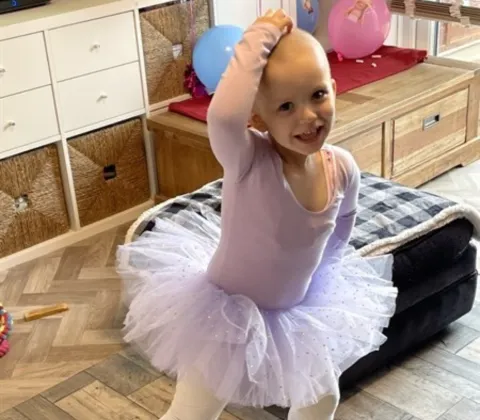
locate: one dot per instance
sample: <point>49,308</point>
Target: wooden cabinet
<point>410,128</point>
<point>184,158</point>
<point>429,116</point>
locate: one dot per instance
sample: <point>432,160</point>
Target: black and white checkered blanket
<point>389,214</point>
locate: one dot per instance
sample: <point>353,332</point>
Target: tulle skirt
<point>246,355</point>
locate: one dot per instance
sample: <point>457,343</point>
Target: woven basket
<point>166,39</point>
<point>109,170</point>
<point>32,201</point>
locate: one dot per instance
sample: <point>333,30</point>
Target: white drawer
<point>23,64</point>
<point>26,118</point>
<point>100,96</point>
<point>94,45</point>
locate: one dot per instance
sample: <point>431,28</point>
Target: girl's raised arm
<point>231,107</point>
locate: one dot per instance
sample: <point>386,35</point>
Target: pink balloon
<point>357,28</point>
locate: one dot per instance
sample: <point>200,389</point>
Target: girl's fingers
<point>289,23</point>
<point>280,18</point>
<point>280,13</point>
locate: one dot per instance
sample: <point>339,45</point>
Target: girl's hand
<point>279,18</point>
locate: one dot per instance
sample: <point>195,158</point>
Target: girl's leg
<point>323,410</point>
<point>192,401</point>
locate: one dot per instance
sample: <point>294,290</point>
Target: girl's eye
<point>319,94</point>
<point>287,106</point>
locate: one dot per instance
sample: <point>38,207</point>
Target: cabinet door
<point>23,64</point>
<point>26,118</point>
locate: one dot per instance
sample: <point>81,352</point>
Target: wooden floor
<point>74,365</point>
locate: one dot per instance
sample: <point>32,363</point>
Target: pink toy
<point>357,28</point>
<point>193,84</point>
<point>6,323</point>
<point>4,348</point>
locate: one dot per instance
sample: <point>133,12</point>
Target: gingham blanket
<point>389,214</point>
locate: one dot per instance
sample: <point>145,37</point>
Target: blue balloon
<point>307,19</point>
<point>213,52</point>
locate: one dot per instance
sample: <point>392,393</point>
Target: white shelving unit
<point>66,69</point>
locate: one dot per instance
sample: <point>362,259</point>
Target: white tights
<point>192,401</point>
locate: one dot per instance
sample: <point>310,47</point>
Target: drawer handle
<point>430,121</point>
<point>10,124</point>
<point>102,96</point>
<point>109,172</point>
<point>95,46</point>
<point>3,70</point>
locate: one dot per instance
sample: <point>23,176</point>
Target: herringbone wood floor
<point>50,350</point>
<point>74,365</point>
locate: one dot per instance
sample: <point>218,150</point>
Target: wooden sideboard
<point>410,128</point>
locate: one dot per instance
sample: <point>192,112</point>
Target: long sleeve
<point>350,176</point>
<point>231,108</point>
<point>348,209</point>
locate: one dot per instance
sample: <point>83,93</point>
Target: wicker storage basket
<point>166,39</point>
<point>32,201</point>
<point>109,170</point>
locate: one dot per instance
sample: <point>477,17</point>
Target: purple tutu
<point>247,355</point>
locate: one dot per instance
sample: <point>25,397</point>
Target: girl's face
<point>298,104</point>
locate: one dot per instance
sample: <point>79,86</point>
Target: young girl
<point>269,304</point>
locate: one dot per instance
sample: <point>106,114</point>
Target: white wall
<point>321,32</point>
<point>393,35</point>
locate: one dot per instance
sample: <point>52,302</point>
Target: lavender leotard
<point>266,233</point>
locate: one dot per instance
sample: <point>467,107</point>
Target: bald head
<point>298,48</point>
<point>297,59</point>
<point>296,39</point>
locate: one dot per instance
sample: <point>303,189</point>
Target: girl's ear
<point>257,123</point>
<point>334,86</point>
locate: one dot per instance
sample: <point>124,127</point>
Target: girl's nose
<point>308,115</point>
